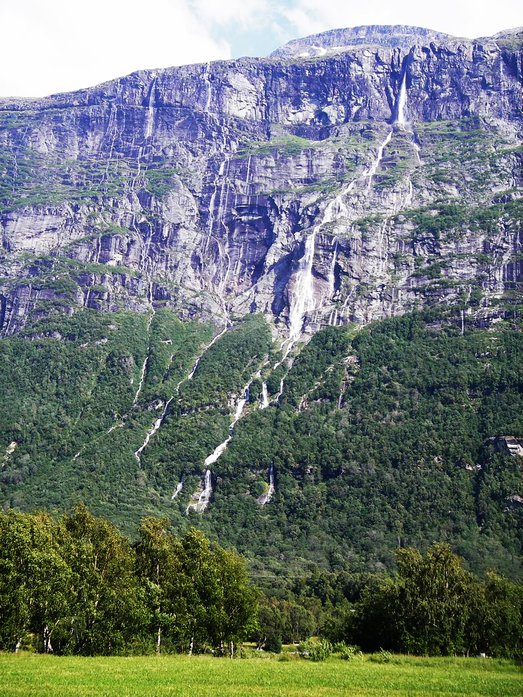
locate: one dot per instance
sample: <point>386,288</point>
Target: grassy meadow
<point>31,675</point>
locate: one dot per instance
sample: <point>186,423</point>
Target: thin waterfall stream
<point>158,423</point>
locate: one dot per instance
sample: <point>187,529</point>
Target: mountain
<point>171,238</point>
<point>197,187</point>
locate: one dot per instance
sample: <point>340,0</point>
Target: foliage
<point>435,607</point>
<point>348,652</point>
<point>315,649</point>
<point>380,438</point>
<point>77,586</point>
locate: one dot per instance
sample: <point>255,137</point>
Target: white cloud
<point>246,13</point>
<point>470,18</point>
<point>57,45</point>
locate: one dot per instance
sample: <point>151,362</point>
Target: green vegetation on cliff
<point>381,437</point>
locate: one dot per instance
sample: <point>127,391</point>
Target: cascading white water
<point>402,101</point>
<point>205,496</point>
<point>302,301</point>
<point>209,90</point>
<point>157,424</point>
<point>216,216</point>
<point>265,396</point>
<point>265,498</point>
<point>303,292</point>
<point>240,405</point>
<point>217,452</point>
<point>179,487</point>
<point>332,275</point>
<point>144,365</point>
<point>401,120</point>
<point>377,160</point>
<point>280,391</point>
<point>149,119</point>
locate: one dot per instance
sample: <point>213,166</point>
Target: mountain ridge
<point>222,122</point>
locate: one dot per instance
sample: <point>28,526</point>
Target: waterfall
<point>223,171</point>
<point>247,176</point>
<point>303,292</point>
<point>205,496</point>
<point>208,84</point>
<point>302,301</point>
<point>142,378</point>
<point>377,160</point>
<point>145,362</point>
<point>179,487</point>
<point>401,121</point>
<point>265,396</point>
<point>402,102</point>
<point>217,452</point>
<point>240,405</point>
<point>157,424</point>
<point>265,498</point>
<point>153,430</point>
<point>332,276</point>
<point>280,391</point>
<point>149,119</point>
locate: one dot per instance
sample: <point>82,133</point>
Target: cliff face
<point>377,177</point>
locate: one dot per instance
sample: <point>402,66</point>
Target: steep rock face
<point>394,164</point>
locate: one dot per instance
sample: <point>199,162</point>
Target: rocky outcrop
<point>393,161</point>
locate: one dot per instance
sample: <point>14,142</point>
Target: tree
<point>235,606</point>
<point>158,566</point>
<point>35,581</point>
<point>424,610</point>
<point>107,609</point>
<point>496,622</point>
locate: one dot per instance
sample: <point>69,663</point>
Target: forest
<point>384,436</point>
<point>74,585</point>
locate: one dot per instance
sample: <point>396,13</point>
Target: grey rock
<point>197,187</point>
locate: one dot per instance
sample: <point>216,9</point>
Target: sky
<point>50,46</point>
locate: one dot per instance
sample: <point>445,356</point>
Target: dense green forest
<point>75,585</point>
<point>382,437</point>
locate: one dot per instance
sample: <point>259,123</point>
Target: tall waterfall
<point>377,160</point>
<point>332,276</point>
<point>402,101</point>
<point>240,405</point>
<point>179,487</point>
<point>157,424</point>
<point>303,292</point>
<point>143,371</point>
<point>149,119</point>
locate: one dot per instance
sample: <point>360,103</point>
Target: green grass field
<point>31,675</point>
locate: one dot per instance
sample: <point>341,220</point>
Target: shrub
<point>315,649</point>
<point>347,652</point>
<point>273,644</point>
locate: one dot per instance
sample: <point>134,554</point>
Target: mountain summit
<point>335,40</point>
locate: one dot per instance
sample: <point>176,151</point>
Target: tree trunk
<point>47,640</point>
<point>159,640</point>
